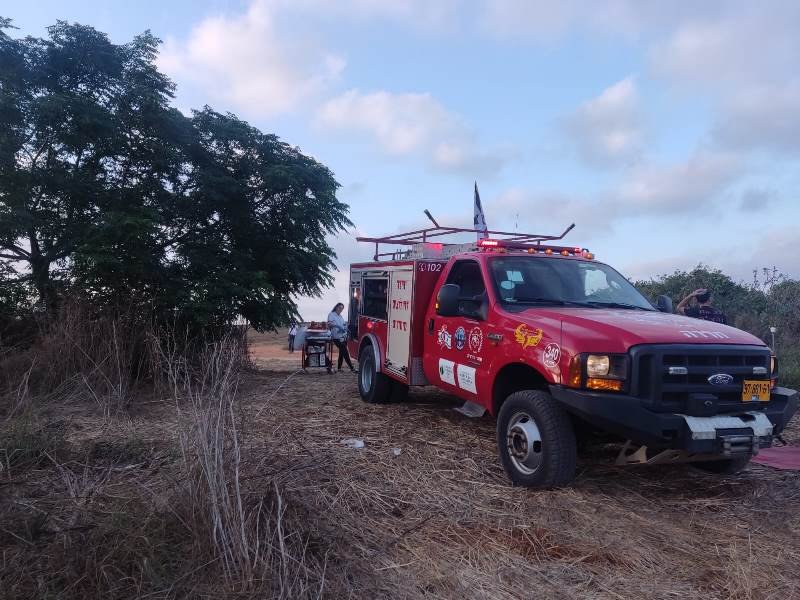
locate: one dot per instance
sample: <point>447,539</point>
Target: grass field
<point>91,504</point>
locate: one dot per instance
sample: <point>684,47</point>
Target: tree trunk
<point>40,272</point>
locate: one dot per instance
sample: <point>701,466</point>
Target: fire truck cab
<point>550,341</point>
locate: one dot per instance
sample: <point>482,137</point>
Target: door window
<point>467,275</point>
<point>375,298</point>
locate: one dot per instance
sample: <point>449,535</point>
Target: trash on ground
<point>353,443</point>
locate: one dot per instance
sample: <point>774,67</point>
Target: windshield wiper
<point>555,301</point>
<point>596,303</point>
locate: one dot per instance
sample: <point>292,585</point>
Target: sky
<point>669,133</point>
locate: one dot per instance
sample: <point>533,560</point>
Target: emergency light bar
<point>490,245</point>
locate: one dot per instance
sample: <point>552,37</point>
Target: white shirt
<point>337,326</point>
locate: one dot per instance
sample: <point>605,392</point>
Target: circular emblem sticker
<point>476,339</point>
<point>551,355</point>
<point>460,337</point>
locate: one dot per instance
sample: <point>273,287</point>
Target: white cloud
<point>765,118</point>
<point>746,61</point>
<point>546,20</point>
<point>400,123</point>
<point>608,130</point>
<point>747,45</point>
<point>247,61</point>
<point>775,247</point>
<point>543,212</point>
<point>412,123</point>
<point>667,190</point>
<point>348,251</point>
<point>421,14</point>
<point>689,185</point>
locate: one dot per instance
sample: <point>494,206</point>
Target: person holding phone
<point>338,329</point>
<point>702,309</point>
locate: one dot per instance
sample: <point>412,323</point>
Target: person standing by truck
<point>292,335</point>
<point>703,309</point>
<point>338,329</point>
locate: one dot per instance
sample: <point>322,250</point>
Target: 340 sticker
<point>551,355</point>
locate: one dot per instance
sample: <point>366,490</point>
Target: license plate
<point>753,391</point>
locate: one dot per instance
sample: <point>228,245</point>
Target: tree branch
<point>21,251</point>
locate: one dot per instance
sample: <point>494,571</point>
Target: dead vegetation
<point>233,484</point>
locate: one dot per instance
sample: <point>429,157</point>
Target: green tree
<point>109,193</point>
<point>742,304</point>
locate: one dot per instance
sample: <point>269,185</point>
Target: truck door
<point>398,346</point>
<point>454,346</point>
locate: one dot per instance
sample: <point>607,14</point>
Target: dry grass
<point>440,520</point>
<point>247,491</point>
<point>78,357</point>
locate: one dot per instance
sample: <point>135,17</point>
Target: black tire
<point>373,386</point>
<point>726,466</point>
<point>550,461</point>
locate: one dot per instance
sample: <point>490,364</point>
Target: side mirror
<point>447,300</point>
<point>664,304</point>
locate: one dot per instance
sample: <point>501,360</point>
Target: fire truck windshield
<point>530,280</point>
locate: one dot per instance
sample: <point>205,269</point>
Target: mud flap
<point>471,410</point>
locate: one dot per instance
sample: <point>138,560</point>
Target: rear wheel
<point>726,466</point>
<point>374,387</point>
<point>536,440</point>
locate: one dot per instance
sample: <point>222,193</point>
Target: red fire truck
<point>552,343</point>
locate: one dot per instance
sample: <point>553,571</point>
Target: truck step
<point>471,409</point>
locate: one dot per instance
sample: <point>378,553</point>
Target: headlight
<point>597,365</point>
<point>606,372</point>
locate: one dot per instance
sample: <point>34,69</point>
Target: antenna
<point>428,214</point>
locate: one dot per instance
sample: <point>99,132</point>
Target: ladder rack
<point>423,236</point>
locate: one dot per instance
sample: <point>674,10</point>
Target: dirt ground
<point>425,511</point>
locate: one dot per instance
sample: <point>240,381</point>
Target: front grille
<point>690,392</point>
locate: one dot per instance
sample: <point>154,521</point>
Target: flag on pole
<point>479,220</point>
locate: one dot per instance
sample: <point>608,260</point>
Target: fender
<point>513,377</point>
<point>375,349</point>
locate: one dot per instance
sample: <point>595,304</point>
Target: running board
<point>471,410</point>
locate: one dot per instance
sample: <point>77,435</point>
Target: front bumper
<point>626,416</point>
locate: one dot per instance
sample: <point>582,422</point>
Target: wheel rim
<point>524,441</point>
<point>366,374</point>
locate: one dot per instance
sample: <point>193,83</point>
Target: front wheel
<point>536,440</point>
<point>374,387</point>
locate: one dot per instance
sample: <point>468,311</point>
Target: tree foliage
<point>109,193</point>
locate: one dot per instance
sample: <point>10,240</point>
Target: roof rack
<point>422,236</point>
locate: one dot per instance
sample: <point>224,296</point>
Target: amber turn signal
<point>612,385</point>
<point>574,376</point>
